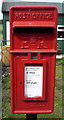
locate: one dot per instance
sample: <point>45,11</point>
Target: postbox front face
<point>33,32</point>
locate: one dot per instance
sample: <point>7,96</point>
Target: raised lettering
<point>16,15</point>
<point>24,45</point>
<point>33,16</point>
<point>40,44</point>
<point>51,15</point>
<point>20,15</point>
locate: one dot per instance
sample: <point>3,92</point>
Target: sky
<point>1,16</point>
<point>0,9</point>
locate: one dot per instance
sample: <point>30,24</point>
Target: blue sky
<point>1,17</point>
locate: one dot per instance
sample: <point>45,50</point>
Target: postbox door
<point>31,77</point>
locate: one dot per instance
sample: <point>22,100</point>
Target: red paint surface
<point>32,30</point>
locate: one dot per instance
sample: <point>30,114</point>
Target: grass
<point>58,97</point>
<point>1,28</point>
<point>58,94</point>
<point>6,99</point>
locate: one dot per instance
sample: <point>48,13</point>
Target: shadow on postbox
<point>33,33</point>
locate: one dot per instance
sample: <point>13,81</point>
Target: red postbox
<point>33,33</point>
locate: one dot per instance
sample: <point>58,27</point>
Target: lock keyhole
<point>34,56</point>
<point>20,82</point>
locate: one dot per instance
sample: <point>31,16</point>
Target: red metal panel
<point>33,31</point>
<point>34,24</point>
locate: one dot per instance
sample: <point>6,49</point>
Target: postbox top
<point>23,24</point>
<point>9,3</point>
<point>42,16</point>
